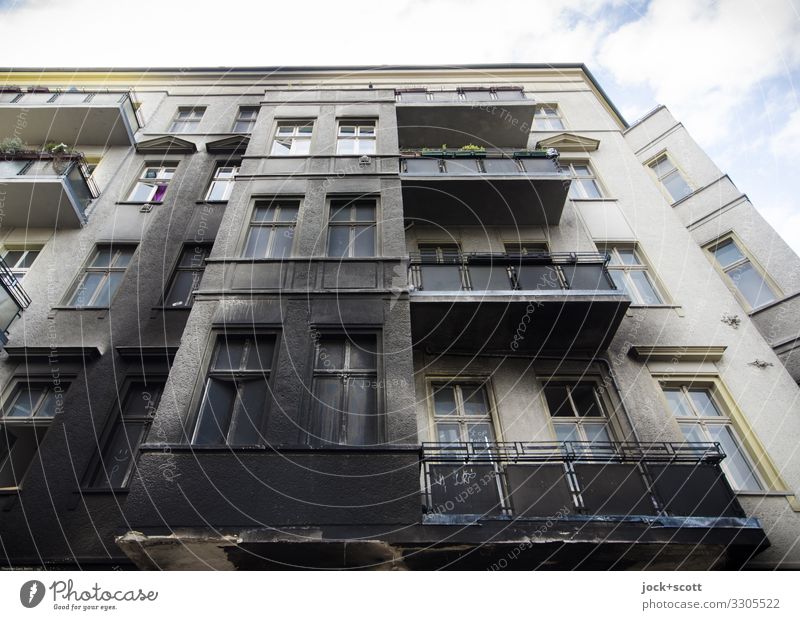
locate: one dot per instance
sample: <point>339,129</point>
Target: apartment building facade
<point>393,318</point>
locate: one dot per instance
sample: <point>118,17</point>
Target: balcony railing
<point>454,165</point>
<point>460,95</point>
<point>13,299</point>
<point>583,271</point>
<point>45,190</point>
<point>576,479</point>
<point>72,116</point>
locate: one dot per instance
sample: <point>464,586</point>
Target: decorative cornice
<point>166,145</point>
<point>569,142</point>
<point>232,145</point>
<point>653,353</point>
<point>156,353</point>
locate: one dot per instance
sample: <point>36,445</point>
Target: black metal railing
<point>13,299</point>
<point>460,95</point>
<point>457,271</point>
<point>547,479</point>
<point>71,166</point>
<point>466,164</point>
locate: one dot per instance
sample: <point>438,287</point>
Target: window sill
<point>81,308</point>
<point>210,202</point>
<point>9,491</point>
<point>594,199</point>
<point>170,308</point>
<point>138,204</point>
<point>772,304</point>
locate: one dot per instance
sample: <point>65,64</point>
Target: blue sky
<point>729,70</point>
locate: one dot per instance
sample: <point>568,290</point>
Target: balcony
<point>540,303</point>
<point>459,188</point>
<point>44,191</point>
<point>74,117</point>
<point>490,117</point>
<point>13,300</point>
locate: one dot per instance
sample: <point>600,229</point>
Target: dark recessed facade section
<point>287,488</point>
<point>477,191</point>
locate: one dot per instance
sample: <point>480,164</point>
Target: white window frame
<point>277,225</point>
<point>664,156</point>
<point>163,175</point>
<point>295,138</point>
<point>188,123</point>
<point>617,265</point>
<point>703,422</point>
<point>461,418</point>
<point>548,122</point>
<point>250,121</point>
<point>89,269</point>
<point>20,272</point>
<point>365,142</point>
<point>578,180</point>
<point>579,421</point>
<point>219,178</point>
<point>769,283</point>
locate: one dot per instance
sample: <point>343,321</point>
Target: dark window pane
<point>364,241</point>
<point>118,455</point>
<point>215,413</point>
<point>585,402</point>
<point>249,413</point>
<point>142,399</point>
<point>260,353</point>
<point>441,277</point>
<point>257,242</point>
<point>288,213</point>
<point>475,403</point>
<point>229,353</point>
<point>444,401</point>
<point>264,213</point>
<point>330,354</point>
<point>557,402</point>
<point>184,283</point>
<point>340,213</point>
<point>282,237</point>
<point>327,417</point>
<point>362,414</point>
<point>362,352</point>
<point>338,240</point>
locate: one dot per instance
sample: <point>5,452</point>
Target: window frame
<point>160,180</point>
<point>29,425</point>
<point>653,161</point>
<point>559,116</point>
<point>710,246</point>
<point>600,392</point>
<point>357,137</point>
<point>20,272</point>
<point>294,136</point>
<point>434,380</point>
<point>570,164</point>
<point>611,248</point>
<point>252,122</point>
<point>87,269</point>
<point>190,125</point>
<point>235,376</point>
<point>276,225</point>
<point>763,470</point>
<point>229,181</point>
<point>178,268</point>
<point>346,372</point>
<point>353,224</point>
<point>117,415</point>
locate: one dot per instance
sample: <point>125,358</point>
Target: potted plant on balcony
<point>532,154</point>
<point>443,152</point>
<point>471,150</point>
<point>9,146</point>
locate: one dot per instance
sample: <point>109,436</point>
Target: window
<point>20,261</point>
<point>245,120</point>
<point>584,184</point>
<point>222,182</point>
<point>462,414</point>
<point>187,120</point>
<point>748,280</point>
<point>671,178</point>
<point>356,138</point>
<point>345,391</point>
<point>702,420</point>
<point>186,278</point>
<point>351,230</point>
<point>577,412</point>
<point>630,274</point>
<point>152,184</point>
<point>116,460</point>
<point>547,118</point>
<point>271,229</point>
<point>526,249</point>
<point>24,419</point>
<point>102,276</point>
<point>440,252</point>
<point>236,391</point>
<point>293,138</point>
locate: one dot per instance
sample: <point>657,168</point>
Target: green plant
<point>473,148</point>
<point>56,148</point>
<point>12,145</point>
